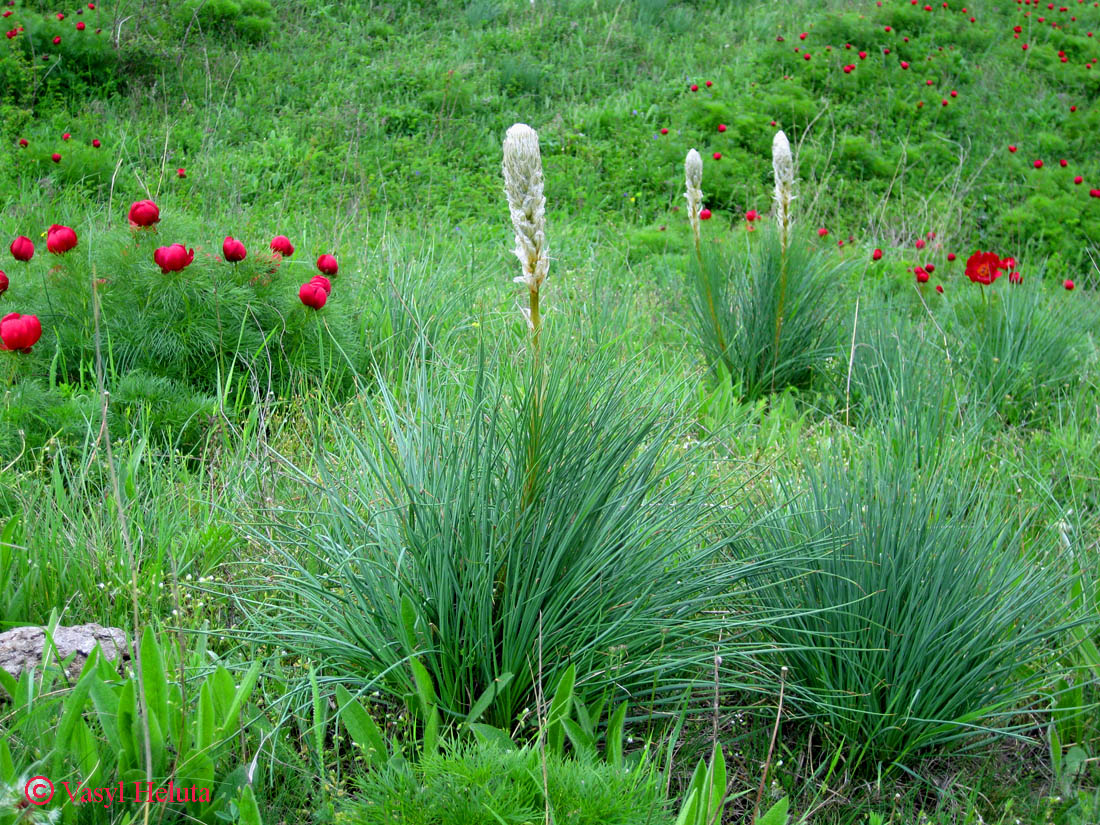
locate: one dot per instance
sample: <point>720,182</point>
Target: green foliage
<point>928,621</point>
<point>442,556</point>
<point>481,784</point>
<point>737,297</point>
<point>104,730</point>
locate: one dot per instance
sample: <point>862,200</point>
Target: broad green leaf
<point>361,727</point>
<point>559,709</point>
<point>487,697</point>
<point>776,814</point>
<point>614,745</point>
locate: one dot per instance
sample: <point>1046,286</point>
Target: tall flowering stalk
<point>693,193</point>
<point>523,186</point>
<point>693,175</point>
<point>783,167</point>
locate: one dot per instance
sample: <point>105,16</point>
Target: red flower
<point>323,282</point>
<point>95,143</point>
<point>327,265</point>
<point>143,213</point>
<point>66,136</point>
<point>80,26</point>
<point>721,127</point>
<point>717,155</point>
<point>57,40</point>
<point>60,239</point>
<point>22,248</point>
<point>984,267</point>
<point>56,158</point>
<point>23,142</point>
<point>1068,284</point>
<point>930,267</point>
<point>19,332</point>
<point>752,215</point>
<point>863,55</point>
<point>1094,193</point>
<point>282,245</point>
<point>876,255</point>
<point>1015,277</point>
<point>1078,180</point>
<point>802,36</point>
<point>950,256</point>
<point>939,288</point>
<point>313,295</point>
<point>60,16</point>
<point>922,275</point>
<point>664,131</point>
<point>173,258</point>
<point>904,64</point>
<point>4,282</point>
<point>180,173</point>
<point>920,244</point>
<point>694,87</point>
<point>233,250</point>
<point>822,232</point>
<point>806,56</point>
<point>704,214</point>
<point>710,83</point>
<point>1012,148</point>
<point>954,93</point>
<point>1038,164</point>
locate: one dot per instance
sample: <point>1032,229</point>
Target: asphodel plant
<point>523,186</point>
<point>693,193</point>
<point>693,177</point>
<point>783,167</point>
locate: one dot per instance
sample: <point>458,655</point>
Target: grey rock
<point>21,647</point>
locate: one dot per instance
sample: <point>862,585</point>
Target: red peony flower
<point>233,250</point>
<point>1038,164</point>
<point>694,87</point>
<point>23,142</point>
<point>282,245</point>
<point>920,243</point>
<point>939,288</point>
<point>1015,277</point>
<point>1012,148</point>
<point>57,40</point>
<point>822,232</point>
<point>1068,284</point>
<point>327,264</point>
<point>19,332</point>
<point>710,83</point>
<point>863,55</point>
<point>717,155</point>
<point>322,282</point>
<point>55,157</point>
<point>22,248</point>
<point>704,214</point>
<point>143,213</point>
<point>664,131</point>
<point>721,127</point>
<point>66,136</point>
<point>1094,193</point>
<point>173,258</point>
<point>95,143</point>
<point>922,275</point>
<point>180,173</point>
<point>4,282</point>
<point>313,295</point>
<point>60,239</point>
<point>876,255</point>
<point>984,267</point>
<point>752,215</point>
<point>1078,180</point>
<point>904,64</point>
<point>950,256</point>
<point>80,26</point>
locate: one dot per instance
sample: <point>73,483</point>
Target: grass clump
<point>480,784</point>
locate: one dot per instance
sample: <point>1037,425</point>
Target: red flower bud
<point>60,239</point>
<point>282,245</point>
<point>704,214</point>
<point>313,295</point>
<point>143,213</point>
<point>19,332</point>
<point>233,250</point>
<point>173,258</point>
<point>876,255</point>
<point>327,265</point>
<point>1068,284</point>
<point>22,248</point>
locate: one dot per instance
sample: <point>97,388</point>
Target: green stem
<point>784,238</point>
<point>536,402</point>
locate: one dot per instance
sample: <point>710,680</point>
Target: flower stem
<point>533,439</point>
<point>784,240</point>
